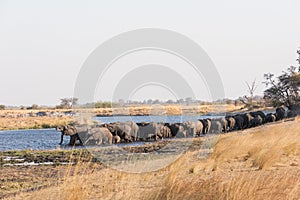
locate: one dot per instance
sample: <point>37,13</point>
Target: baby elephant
<point>99,135</point>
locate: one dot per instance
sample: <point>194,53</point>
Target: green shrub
<point>46,126</point>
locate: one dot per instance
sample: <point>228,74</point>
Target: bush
<point>46,126</point>
<point>103,105</point>
<point>33,107</point>
<point>2,107</point>
<point>284,89</point>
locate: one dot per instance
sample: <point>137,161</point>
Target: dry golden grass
<point>262,147</point>
<point>24,111</point>
<point>260,163</point>
<point>172,109</point>
<point>18,119</point>
<point>75,184</point>
<point>32,122</point>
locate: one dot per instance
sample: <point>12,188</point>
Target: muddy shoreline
<point>59,156</point>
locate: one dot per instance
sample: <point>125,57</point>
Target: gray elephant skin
<point>70,131</point>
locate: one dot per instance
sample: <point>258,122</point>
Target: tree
<point>156,101</point>
<point>170,101</point>
<point>34,106</point>
<point>149,101</point>
<point>248,100</point>
<point>67,102</point>
<point>284,89</point>
<point>100,104</point>
<point>2,107</point>
<point>188,100</point>
<point>121,102</point>
<point>181,101</point>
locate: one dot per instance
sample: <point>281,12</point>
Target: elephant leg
<point>100,141</point>
<point>72,140</point>
<point>80,141</point>
<point>78,138</point>
<point>61,139</point>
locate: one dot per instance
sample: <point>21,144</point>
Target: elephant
<point>123,131</point>
<point>193,128</point>
<point>71,131</point>
<point>231,123</point>
<point>256,121</point>
<point>259,119</point>
<point>247,118</point>
<point>216,126</point>
<point>190,129</point>
<point>206,125</point>
<point>165,131</point>
<point>149,130</point>
<point>176,128</point>
<point>270,118</point>
<point>134,129</point>
<point>239,122</point>
<point>98,136</point>
<point>154,130</point>
<point>130,129</point>
<point>280,113</point>
<point>144,130</point>
<point>224,124</point>
<point>199,128</point>
<point>262,115</point>
<point>203,123</point>
<point>162,130</point>
<point>259,113</point>
<point>291,113</point>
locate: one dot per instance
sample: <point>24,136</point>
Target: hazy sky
<point>43,44</point>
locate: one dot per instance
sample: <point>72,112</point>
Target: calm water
<point>41,139</point>
<point>30,139</point>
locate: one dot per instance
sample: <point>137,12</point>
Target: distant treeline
<point>68,103</point>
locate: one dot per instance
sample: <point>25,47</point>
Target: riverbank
<point>257,163</point>
<point>18,123</point>
<point>37,119</point>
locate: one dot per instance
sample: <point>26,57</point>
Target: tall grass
<point>261,148</point>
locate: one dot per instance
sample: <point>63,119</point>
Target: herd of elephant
<point>123,132</point>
